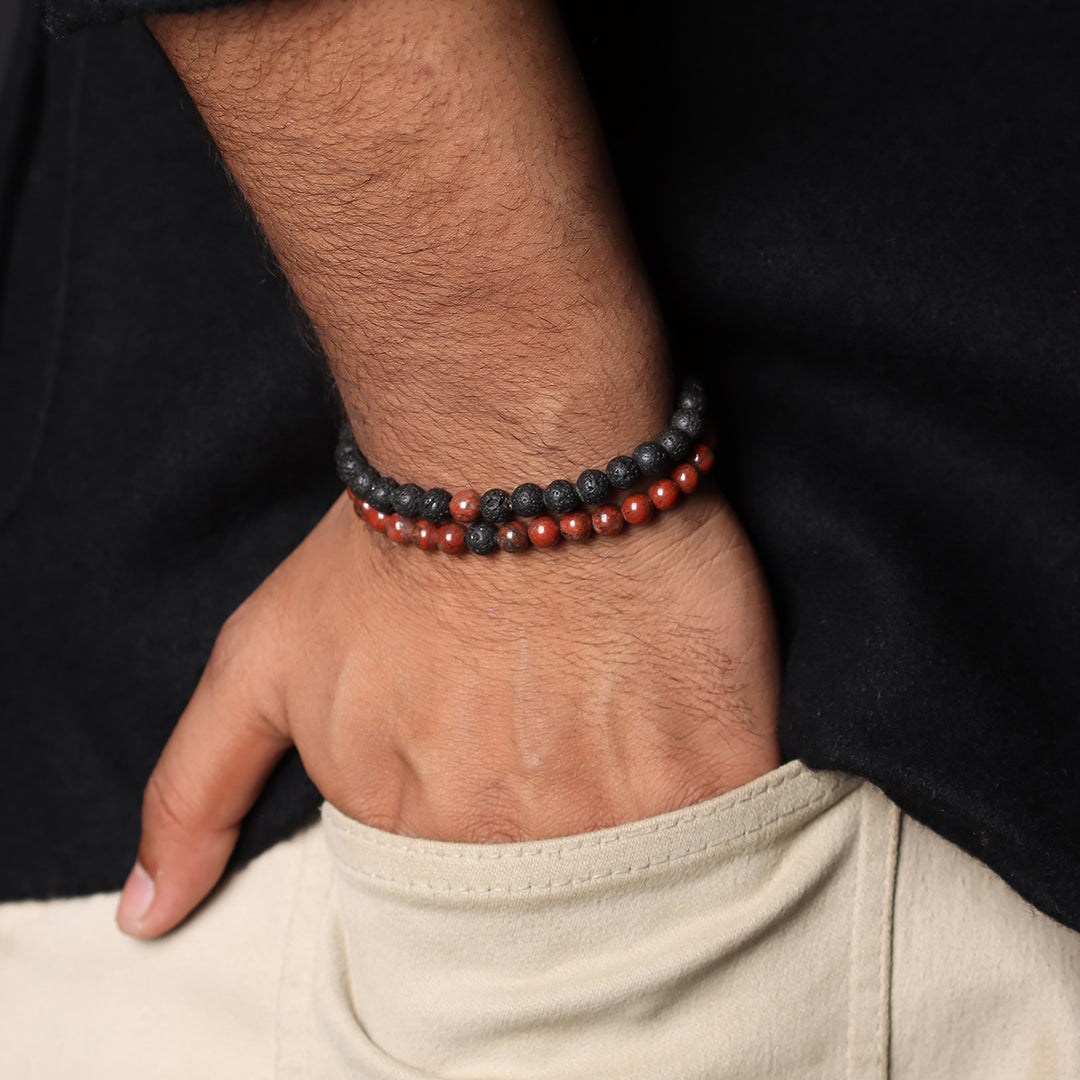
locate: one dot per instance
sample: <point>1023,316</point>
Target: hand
<point>472,699</point>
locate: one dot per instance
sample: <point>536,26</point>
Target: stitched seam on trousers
<point>502,852</point>
<point>550,886</point>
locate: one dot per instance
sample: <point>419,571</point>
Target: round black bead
<point>676,443</point>
<point>623,472</point>
<point>495,506</point>
<point>363,481</point>
<point>482,538</point>
<point>689,421</point>
<point>560,497</point>
<point>407,500</point>
<point>527,500</point>
<point>349,460</point>
<point>593,487</point>
<point>435,505</point>
<point>651,459</point>
<point>382,494</point>
<point>691,396</point>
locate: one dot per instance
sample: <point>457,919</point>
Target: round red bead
<point>577,525</point>
<point>377,519</point>
<point>425,535</point>
<point>607,520</point>
<point>399,529</point>
<point>637,508</point>
<point>686,476</point>
<point>703,458</point>
<point>664,494</point>
<point>356,500</point>
<point>513,536</point>
<point>452,538</point>
<point>544,531</point>
<point>465,506</point>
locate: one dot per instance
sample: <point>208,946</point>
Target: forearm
<point>431,179</point>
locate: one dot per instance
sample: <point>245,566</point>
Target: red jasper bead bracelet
<point>544,530</point>
<point>655,476</point>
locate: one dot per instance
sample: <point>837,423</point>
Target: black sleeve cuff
<point>62,17</point>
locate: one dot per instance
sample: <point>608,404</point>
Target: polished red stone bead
<point>452,538</point>
<point>637,508</point>
<point>607,520</point>
<point>544,531</point>
<point>513,536</point>
<point>425,535</point>
<point>703,458</point>
<point>686,476</point>
<point>377,519</point>
<point>577,525</point>
<point>356,500</point>
<point>399,529</point>
<point>465,506</point>
<point>664,494</point>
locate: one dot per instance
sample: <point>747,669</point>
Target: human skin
<point>432,181</point>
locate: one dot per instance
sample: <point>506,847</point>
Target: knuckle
<point>229,643</point>
<point>164,807</point>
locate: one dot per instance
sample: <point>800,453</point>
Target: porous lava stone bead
<point>703,458</point>
<point>381,495</point>
<point>482,538</point>
<point>689,421</point>
<point>607,520</point>
<point>399,529</point>
<point>425,535</point>
<point>363,481</point>
<point>407,500</point>
<point>676,444</point>
<point>495,506</point>
<point>664,494</point>
<point>465,506</point>
<point>435,505</point>
<point>513,536</point>
<point>560,497</point>
<point>544,532</point>
<point>623,472</point>
<point>691,396</point>
<point>377,519</point>
<point>527,500</point>
<point>686,476</point>
<point>451,538</point>
<point>348,459</point>
<point>637,508</point>
<point>593,487</point>
<point>651,459</point>
<point>576,525</point>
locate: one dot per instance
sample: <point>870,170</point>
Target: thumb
<point>211,771</point>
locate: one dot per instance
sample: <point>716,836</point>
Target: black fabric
<point>62,17</point>
<point>860,221</point>
<point>165,441</point>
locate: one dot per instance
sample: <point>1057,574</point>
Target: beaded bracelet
<point>483,524</point>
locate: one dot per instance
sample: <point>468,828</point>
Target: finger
<point>211,770</point>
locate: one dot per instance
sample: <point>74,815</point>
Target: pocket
<point>657,948</point>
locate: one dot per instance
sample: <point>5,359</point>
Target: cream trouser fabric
<point>798,927</point>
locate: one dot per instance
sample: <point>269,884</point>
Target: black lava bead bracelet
<point>668,466</point>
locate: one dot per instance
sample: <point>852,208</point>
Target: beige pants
<point>798,927</point>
